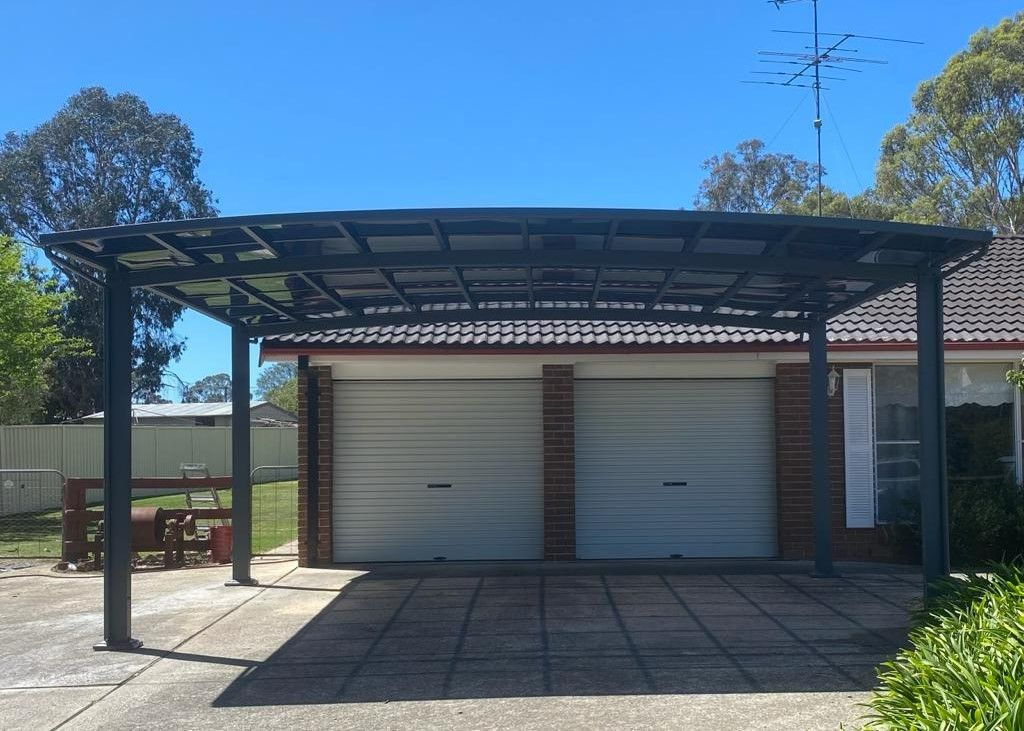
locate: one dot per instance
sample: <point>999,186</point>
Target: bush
<point>965,668</point>
<point>986,524</point>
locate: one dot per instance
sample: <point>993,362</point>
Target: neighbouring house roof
<point>984,303</point>
<point>159,411</point>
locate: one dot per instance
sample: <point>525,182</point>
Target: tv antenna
<point>837,57</point>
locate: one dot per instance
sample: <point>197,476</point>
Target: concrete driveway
<point>615,644</point>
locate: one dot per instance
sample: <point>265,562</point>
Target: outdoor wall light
<point>833,382</point>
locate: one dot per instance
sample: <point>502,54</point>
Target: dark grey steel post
<point>931,398</point>
<point>241,483</point>
<point>117,466</point>
<point>821,498</point>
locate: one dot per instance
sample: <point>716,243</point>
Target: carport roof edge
<point>308,272</point>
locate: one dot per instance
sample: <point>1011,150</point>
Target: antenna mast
<point>817,95</point>
<point>809,63</point>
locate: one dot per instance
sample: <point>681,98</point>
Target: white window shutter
<point>859,439</point>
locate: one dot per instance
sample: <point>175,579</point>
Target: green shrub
<point>986,524</point>
<point>965,666</point>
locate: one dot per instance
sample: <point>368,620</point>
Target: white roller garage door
<point>429,469</point>
<point>638,441</point>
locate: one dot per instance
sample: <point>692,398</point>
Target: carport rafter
<point>267,246</point>
<point>743,280</point>
<point>445,244</point>
<point>697,262</point>
<point>876,241</point>
<point>176,250</point>
<point>664,287</point>
<point>252,292</point>
<point>361,246</point>
<point>325,291</point>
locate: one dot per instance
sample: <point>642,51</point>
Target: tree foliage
<point>957,159</point>
<point>215,388</point>
<point>274,376</point>
<point>279,384</point>
<point>756,181</point>
<point>836,204</point>
<point>1015,375</point>
<point>285,395</point>
<point>29,336</point>
<point>102,160</point>
<point>751,180</point>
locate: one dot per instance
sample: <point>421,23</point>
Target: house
<point>611,439</point>
<point>263,413</point>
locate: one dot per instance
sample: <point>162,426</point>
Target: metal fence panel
<point>173,443</point>
<point>31,447</point>
<point>213,449</point>
<point>29,523</point>
<point>83,450</point>
<point>144,447</point>
<point>275,498</point>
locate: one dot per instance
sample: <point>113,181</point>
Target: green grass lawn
<point>274,521</point>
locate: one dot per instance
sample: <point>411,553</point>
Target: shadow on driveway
<point>415,634</point>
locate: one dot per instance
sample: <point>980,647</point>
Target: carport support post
<point>931,412</point>
<point>820,493</point>
<point>241,482</point>
<point>117,465</point>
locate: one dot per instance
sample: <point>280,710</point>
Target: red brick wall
<point>324,414</point>
<point>559,464</point>
<point>793,468</point>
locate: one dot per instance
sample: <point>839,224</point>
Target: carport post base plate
<point>242,582</point>
<point>119,646</point>
<point>825,575</point>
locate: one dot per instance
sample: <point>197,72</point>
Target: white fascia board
<point>952,355</point>
<point>621,365</point>
<point>663,365</point>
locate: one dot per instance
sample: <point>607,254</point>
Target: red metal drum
<point>220,543</point>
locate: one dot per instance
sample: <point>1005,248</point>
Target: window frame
<point>1018,420</point>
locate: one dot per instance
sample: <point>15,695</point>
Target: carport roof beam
<point>304,272</point>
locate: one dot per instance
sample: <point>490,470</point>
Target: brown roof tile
<point>984,302</point>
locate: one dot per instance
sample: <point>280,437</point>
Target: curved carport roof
<point>306,272</point>
<point>275,274</point>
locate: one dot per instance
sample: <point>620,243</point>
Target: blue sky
<point>302,106</point>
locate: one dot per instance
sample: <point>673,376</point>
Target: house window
<point>204,421</point>
<point>981,432</point>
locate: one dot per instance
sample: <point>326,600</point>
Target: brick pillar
<point>793,473</point>
<point>559,464</point>
<point>324,415</point>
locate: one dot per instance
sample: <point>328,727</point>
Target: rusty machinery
<point>170,530</point>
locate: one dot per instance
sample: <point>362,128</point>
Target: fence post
<point>74,499</point>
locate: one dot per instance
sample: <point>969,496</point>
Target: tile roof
<point>984,302</point>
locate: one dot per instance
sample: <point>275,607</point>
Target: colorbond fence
<point>157,451</point>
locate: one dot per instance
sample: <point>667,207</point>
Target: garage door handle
<point>671,483</point>
<point>432,485</point>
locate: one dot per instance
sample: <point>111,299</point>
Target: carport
<point>309,272</point>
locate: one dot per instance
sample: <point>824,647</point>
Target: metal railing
<point>275,501</point>
<point>30,513</point>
